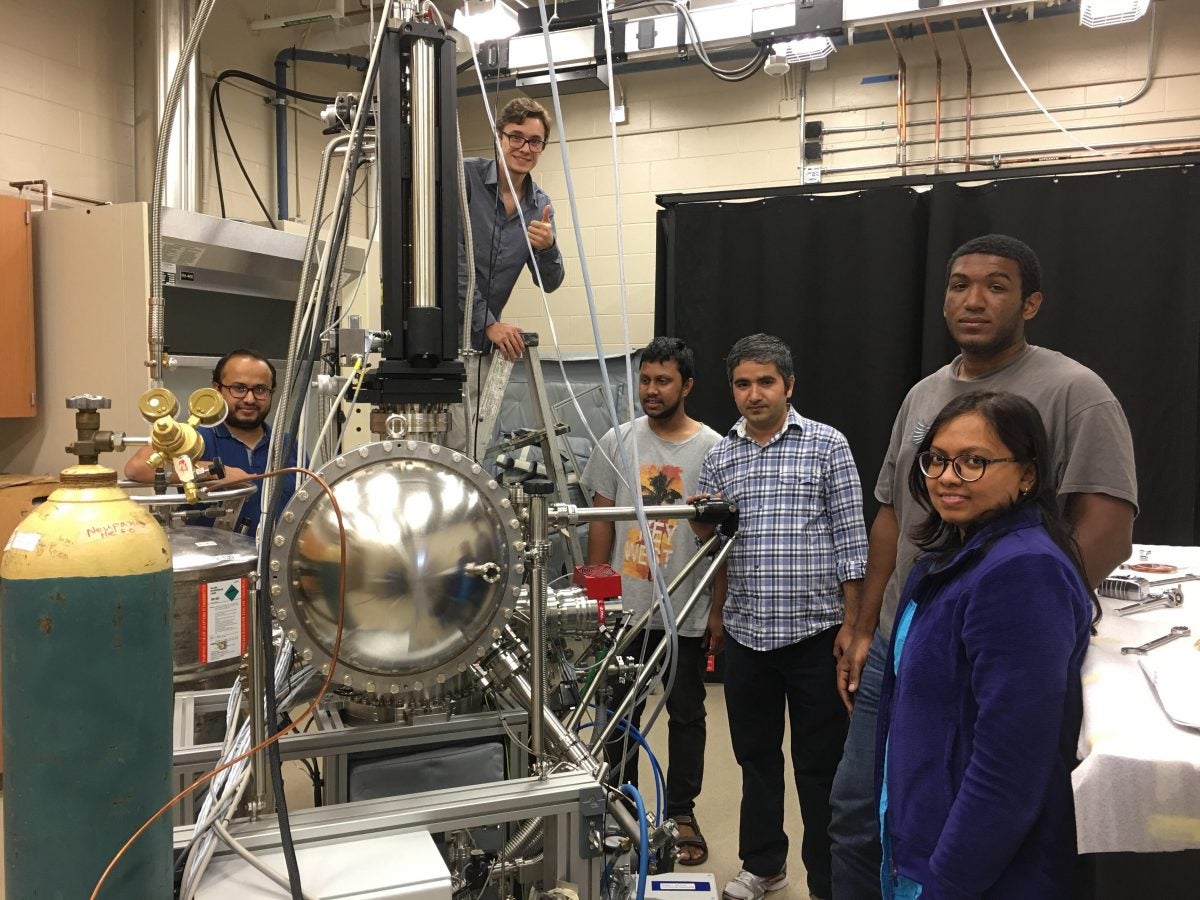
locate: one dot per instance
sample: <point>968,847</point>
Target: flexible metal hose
<point>303,295</point>
<point>530,831</point>
<point>155,326</point>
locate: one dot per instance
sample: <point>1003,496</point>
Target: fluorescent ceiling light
<point>802,50</point>
<point>1095,13</point>
<point>493,24</point>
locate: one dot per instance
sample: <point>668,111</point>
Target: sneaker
<point>748,886</point>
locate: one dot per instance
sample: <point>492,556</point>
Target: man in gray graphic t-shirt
<point>670,446</point>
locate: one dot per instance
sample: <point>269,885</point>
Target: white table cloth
<point>1138,785</point>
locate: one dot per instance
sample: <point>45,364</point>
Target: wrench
<point>1177,632</point>
<point>1170,598</point>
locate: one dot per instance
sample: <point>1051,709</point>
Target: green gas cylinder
<point>85,620</point>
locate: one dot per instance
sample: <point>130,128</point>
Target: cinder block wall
<point>688,131</point>
<point>66,95</point>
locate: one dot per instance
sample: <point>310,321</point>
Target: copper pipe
<point>967,62</point>
<point>937,102</point>
<point>901,103</point>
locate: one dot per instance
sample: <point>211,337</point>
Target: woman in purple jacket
<point>981,702</point>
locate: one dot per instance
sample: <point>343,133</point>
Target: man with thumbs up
<point>508,238</point>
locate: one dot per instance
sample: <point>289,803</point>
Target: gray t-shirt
<point>1089,439</point>
<point>669,472</point>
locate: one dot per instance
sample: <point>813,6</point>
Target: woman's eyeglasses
<point>967,466</point>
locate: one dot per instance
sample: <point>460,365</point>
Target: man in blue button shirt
<point>512,228</point>
<point>502,236</point>
<point>799,560</point>
<point>246,380</point>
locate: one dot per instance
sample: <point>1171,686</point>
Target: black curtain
<point>855,283</point>
<point>853,321</point>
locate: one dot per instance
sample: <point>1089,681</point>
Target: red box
<point>598,582</point>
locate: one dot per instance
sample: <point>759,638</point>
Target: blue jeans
<point>854,828</point>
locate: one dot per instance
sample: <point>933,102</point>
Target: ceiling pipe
<point>160,29</point>
<point>901,103</point>
<point>937,102</point>
<point>962,45</point>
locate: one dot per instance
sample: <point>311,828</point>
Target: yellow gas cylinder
<point>85,612</point>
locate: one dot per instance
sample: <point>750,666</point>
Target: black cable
<point>215,106</point>
<point>279,89</point>
<point>212,137</point>
<point>237,156</point>
<point>732,75</point>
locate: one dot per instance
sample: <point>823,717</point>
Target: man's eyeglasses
<point>967,466</point>
<point>536,144</point>
<point>239,390</point>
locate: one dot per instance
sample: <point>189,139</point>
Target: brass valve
<point>178,443</point>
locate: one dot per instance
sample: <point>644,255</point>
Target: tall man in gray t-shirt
<point>993,289</point>
<point>670,447</point>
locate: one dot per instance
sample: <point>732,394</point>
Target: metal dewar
<point>200,556</point>
<point>426,531</point>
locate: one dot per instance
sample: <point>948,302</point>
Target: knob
<point>88,401</point>
<point>156,403</point>
<point>208,406</point>
<point>538,486</point>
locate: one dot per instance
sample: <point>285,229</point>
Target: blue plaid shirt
<point>801,532</point>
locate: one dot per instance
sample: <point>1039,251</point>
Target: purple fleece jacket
<point>982,721</point>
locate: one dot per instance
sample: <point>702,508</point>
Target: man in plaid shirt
<point>801,554</point>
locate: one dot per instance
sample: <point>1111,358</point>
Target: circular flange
<point>421,522</point>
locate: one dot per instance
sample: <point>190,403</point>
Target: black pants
<point>759,684</point>
<point>685,726</point>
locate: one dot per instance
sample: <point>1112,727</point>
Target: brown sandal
<point>691,840</point>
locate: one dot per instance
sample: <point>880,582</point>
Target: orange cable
<point>337,644</point>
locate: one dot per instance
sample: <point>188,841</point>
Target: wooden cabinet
<point>18,370</point>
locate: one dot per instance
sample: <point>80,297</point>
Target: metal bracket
<point>591,821</point>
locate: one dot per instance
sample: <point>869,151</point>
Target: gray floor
<point>716,808</point>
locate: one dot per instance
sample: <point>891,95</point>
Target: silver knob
<point>88,401</point>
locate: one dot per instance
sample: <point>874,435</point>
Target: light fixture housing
<point>1098,13</point>
<point>492,24</point>
<point>806,49</point>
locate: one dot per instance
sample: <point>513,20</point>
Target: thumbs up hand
<point>541,232</point>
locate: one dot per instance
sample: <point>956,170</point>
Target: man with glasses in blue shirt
<point>246,380</point>
<point>512,228</point>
